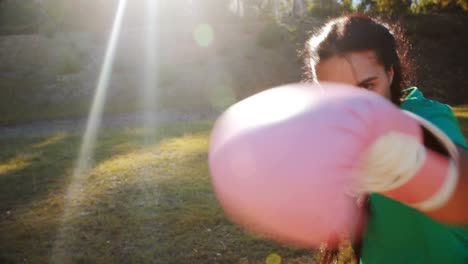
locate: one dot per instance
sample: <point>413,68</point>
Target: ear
<point>390,74</point>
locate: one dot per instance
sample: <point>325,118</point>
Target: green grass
<point>140,202</point>
<point>18,103</point>
<point>23,101</point>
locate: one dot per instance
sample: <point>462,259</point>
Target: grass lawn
<point>142,201</point>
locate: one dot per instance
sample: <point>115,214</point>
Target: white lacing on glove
<point>396,157</point>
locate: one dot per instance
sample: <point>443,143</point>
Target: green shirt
<point>396,233</point>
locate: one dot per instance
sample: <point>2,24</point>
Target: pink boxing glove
<point>289,162</point>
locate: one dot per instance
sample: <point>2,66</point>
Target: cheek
<point>383,89</point>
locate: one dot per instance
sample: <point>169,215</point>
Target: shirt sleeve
<point>441,115</point>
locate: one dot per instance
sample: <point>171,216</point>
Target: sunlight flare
<point>95,115</point>
<point>148,92</point>
<point>90,135</point>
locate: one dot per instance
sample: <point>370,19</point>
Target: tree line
<point>27,16</point>
<point>382,7</point>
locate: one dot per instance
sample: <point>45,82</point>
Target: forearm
<point>455,211</point>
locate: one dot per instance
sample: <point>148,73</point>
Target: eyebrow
<point>367,80</point>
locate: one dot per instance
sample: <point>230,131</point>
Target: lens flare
<point>204,35</point>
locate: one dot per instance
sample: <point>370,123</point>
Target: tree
<point>367,6</point>
<point>325,4</point>
<point>436,6</point>
<point>299,8</point>
<point>325,8</point>
<point>393,7</point>
<point>237,7</point>
<point>347,6</point>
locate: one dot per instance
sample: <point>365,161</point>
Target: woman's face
<point>360,69</point>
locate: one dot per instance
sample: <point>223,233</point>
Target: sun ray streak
<point>89,137</point>
<point>148,93</point>
<point>95,116</point>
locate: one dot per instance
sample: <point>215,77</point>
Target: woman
<point>364,52</point>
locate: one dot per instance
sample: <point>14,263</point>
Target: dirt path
<point>135,119</point>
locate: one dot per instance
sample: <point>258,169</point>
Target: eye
<point>368,86</point>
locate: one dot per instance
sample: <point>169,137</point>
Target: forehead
<point>351,67</point>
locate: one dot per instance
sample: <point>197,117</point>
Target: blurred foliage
<point>347,6</point>
<point>18,16</point>
<point>436,6</point>
<point>167,75</point>
<point>271,36</point>
<point>324,8</point>
<point>70,61</point>
<point>394,7</point>
<point>49,16</point>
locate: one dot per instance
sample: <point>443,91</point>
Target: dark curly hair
<point>358,32</point>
